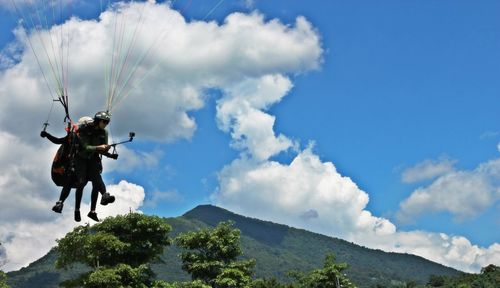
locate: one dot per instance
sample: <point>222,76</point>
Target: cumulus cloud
<point>464,194</point>
<point>285,193</point>
<point>241,112</point>
<point>25,186</point>
<point>129,198</point>
<point>26,240</point>
<point>310,194</point>
<point>427,170</point>
<point>452,251</point>
<point>244,53</point>
<point>183,59</point>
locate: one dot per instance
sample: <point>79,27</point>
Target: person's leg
<point>94,196</point>
<point>95,178</point>
<point>64,194</point>
<point>80,180</point>
<point>78,200</point>
<point>106,198</point>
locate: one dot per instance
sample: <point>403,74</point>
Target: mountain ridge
<point>212,215</point>
<point>277,249</point>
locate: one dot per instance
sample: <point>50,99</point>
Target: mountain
<point>277,249</point>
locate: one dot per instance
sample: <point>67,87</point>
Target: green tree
<point>211,256</point>
<point>3,280</point>
<point>488,278</point>
<point>193,284</point>
<point>329,276</point>
<point>117,250</point>
<point>270,283</point>
<point>122,275</point>
<point>436,281</point>
<point>3,277</point>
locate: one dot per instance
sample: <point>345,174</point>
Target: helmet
<point>85,120</point>
<point>102,115</point>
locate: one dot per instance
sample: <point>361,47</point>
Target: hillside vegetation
<point>276,250</point>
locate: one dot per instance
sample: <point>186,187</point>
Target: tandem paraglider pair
<point>78,161</point>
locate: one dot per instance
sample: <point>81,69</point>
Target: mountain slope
<point>276,248</point>
<point>285,248</point>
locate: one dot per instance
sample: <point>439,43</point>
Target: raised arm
<point>53,139</point>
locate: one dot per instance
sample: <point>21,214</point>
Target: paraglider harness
<point>63,165</point>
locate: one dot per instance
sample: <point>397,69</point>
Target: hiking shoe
<point>77,216</point>
<point>93,216</point>
<point>106,199</point>
<point>58,207</point>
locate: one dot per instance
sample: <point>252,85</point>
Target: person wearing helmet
<point>93,143</point>
<point>63,170</point>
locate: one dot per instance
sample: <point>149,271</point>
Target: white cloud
<point>129,198</point>
<point>25,186</point>
<point>240,112</point>
<point>28,227</point>
<point>26,240</point>
<point>285,193</point>
<point>184,59</point>
<point>129,160</point>
<point>452,251</point>
<point>427,169</point>
<point>311,194</point>
<point>464,194</point>
<point>244,53</point>
<point>156,197</point>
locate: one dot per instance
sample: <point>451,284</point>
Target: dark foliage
<point>488,278</point>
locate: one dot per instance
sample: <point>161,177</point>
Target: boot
<point>107,198</point>
<point>77,216</point>
<point>58,207</point>
<point>92,215</point>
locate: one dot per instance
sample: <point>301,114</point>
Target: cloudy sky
<point>374,122</point>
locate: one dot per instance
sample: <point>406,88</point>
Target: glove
<point>43,134</point>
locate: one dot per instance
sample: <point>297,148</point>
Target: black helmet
<point>102,115</point>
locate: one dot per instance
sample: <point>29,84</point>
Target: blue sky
<point>395,88</point>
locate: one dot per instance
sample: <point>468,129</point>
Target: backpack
<point>63,165</point>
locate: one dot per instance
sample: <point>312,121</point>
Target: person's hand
<point>103,147</point>
<point>43,134</point>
